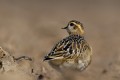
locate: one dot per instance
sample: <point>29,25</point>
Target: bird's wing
<point>69,48</point>
<point>60,48</point>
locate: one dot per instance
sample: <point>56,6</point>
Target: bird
<point>72,52</point>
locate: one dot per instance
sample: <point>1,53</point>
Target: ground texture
<point>31,28</point>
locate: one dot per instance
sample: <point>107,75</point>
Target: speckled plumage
<point>72,52</point>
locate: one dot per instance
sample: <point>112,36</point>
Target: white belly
<point>81,65</point>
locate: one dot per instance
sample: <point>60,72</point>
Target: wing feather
<point>69,47</point>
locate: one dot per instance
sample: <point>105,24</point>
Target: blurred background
<point>32,27</point>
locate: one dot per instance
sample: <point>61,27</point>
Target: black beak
<point>64,27</point>
<point>47,58</point>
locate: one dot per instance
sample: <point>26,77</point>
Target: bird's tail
<point>47,58</point>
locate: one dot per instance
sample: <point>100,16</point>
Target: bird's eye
<point>71,24</point>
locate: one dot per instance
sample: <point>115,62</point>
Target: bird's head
<point>74,27</point>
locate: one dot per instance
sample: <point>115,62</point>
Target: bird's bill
<point>64,27</point>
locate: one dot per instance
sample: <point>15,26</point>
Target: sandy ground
<point>32,27</point>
